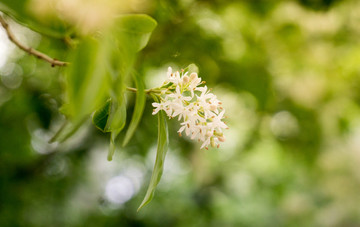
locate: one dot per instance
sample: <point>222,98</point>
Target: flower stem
<point>131,89</point>
<point>147,91</point>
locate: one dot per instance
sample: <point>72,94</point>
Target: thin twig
<point>38,54</point>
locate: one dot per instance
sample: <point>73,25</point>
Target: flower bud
<point>193,76</point>
<point>185,79</point>
<point>213,107</point>
<point>221,138</point>
<point>212,142</point>
<point>218,133</point>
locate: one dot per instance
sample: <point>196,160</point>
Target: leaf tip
<point>111,151</point>
<point>126,140</point>
<point>124,143</point>
<point>52,139</point>
<point>144,203</point>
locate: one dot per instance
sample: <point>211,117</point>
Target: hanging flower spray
<point>200,112</point>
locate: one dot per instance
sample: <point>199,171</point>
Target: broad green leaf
<point>139,108</point>
<point>160,159</point>
<point>86,83</point>
<point>134,30</point>
<point>124,39</point>
<point>136,23</point>
<point>119,63</point>
<point>86,79</point>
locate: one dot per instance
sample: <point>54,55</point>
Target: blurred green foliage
<point>287,73</point>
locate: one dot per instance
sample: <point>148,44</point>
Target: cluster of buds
<point>200,111</point>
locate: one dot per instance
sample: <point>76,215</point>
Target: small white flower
<point>206,143</point>
<point>179,110</point>
<point>159,106</point>
<point>178,96</point>
<point>173,77</point>
<point>218,123</point>
<point>186,125</point>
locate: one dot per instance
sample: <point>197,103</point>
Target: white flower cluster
<point>200,111</point>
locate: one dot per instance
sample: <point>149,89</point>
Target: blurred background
<point>288,74</point>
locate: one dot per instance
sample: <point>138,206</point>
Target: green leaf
<point>136,23</point>
<point>112,146</point>
<point>127,35</point>
<point>160,159</point>
<point>111,117</point>
<point>134,30</point>
<point>66,130</point>
<point>117,117</point>
<point>86,79</point>
<point>116,123</point>
<point>138,110</point>
<point>100,117</point>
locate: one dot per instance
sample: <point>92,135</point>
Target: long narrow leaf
<point>66,130</point>
<point>160,159</point>
<point>138,110</point>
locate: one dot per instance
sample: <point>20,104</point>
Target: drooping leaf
<point>139,108</point>
<point>162,147</point>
